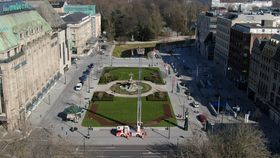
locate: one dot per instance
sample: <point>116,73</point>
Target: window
<point>20,35</point>
<point>8,54</point>
<point>15,50</point>
<point>275,76</point>
<point>271,97</point>
<point>273,87</point>
<point>26,33</point>
<point>276,66</point>
<point>278,102</point>
<point>279,90</point>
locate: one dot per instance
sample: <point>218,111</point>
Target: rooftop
<point>13,24</point>
<point>74,18</point>
<point>13,6</point>
<point>48,13</point>
<point>86,9</point>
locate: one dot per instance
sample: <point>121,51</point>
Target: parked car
<point>86,72</point>
<point>90,65</point>
<point>202,118</point>
<point>78,86</point>
<point>83,78</point>
<point>195,104</point>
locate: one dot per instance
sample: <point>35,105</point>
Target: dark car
<point>83,78</point>
<point>90,65</point>
<point>86,72</point>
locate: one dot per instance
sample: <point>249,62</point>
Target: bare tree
<point>232,141</point>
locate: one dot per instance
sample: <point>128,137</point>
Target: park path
<point>106,88</point>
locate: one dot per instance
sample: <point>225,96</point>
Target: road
<point>151,151</point>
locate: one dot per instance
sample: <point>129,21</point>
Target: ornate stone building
<point>29,64</point>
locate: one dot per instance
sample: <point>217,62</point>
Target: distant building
<point>242,37</point>
<point>88,10</point>
<point>224,24</point>
<point>264,76</point>
<point>240,5</point>
<point>205,34</point>
<point>81,32</point>
<point>60,32</point>
<point>29,62</point>
<point>59,6</point>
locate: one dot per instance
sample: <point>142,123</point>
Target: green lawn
<point>122,73</point>
<point>125,109</point>
<point>120,48</point>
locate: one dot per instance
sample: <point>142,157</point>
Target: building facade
<point>224,24</point>
<point>60,31</point>
<point>241,42</point>
<point>89,10</point>
<point>264,80</point>
<point>29,64</point>
<point>205,34</point>
<point>80,31</point>
<point>241,5</point>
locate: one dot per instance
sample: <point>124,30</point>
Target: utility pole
<point>139,99</point>
<point>89,78</point>
<point>168,131</point>
<point>197,72</point>
<point>65,78</point>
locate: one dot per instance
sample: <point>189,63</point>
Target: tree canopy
<point>145,19</point>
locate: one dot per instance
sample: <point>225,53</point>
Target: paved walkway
<point>106,88</point>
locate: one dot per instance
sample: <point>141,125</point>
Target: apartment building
<point>240,5</point>
<point>205,34</point>
<point>60,31</point>
<point>242,37</point>
<point>224,24</point>
<point>264,79</point>
<point>29,62</point>
<point>80,32</point>
<point>89,10</point>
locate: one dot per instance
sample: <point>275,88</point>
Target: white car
<point>78,87</point>
<point>195,104</point>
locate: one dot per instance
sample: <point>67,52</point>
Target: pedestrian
<point>40,115</point>
<point>66,132</point>
<point>61,128</point>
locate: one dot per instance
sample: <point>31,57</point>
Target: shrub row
<point>157,96</point>
<point>107,79</point>
<point>102,96</point>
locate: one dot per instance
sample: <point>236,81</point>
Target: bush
<point>158,96</point>
<point>107,77</point>
<point>102,96</point>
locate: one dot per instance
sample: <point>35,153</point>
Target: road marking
<point>125,156</point>
<point>151,153</point>
<point>110,147</point>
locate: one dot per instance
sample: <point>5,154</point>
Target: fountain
<point>130,85</point>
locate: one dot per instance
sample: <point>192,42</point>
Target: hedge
<point>102,96</point>
<point>157,96</point>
